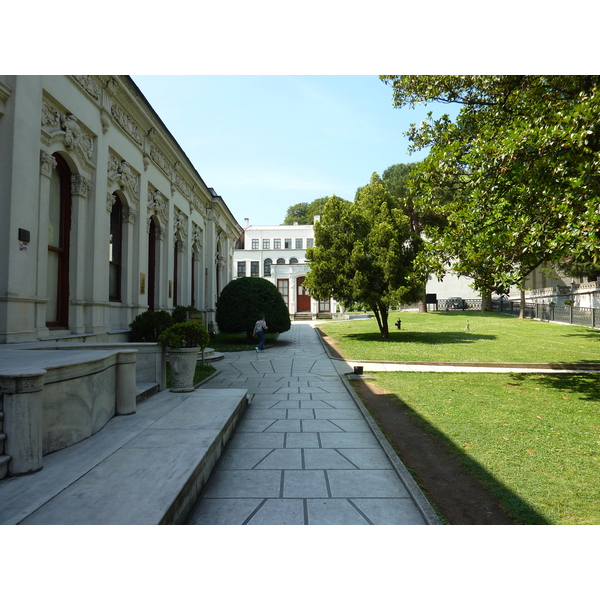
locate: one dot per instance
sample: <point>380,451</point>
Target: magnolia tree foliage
<point>243,300</point>
<point>364,252</point>
<point>516,175</point>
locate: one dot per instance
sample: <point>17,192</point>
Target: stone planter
<point>183,367</point>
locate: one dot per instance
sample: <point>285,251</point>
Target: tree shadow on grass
<point>423,337</point>
<point>585,385</point>
<point>515,506</point>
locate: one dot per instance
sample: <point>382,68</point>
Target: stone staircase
<point>303,316</point>
<point>144,390</point>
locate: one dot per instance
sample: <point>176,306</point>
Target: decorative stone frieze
<point>161,161</point>
<point>89,85</point>
<point>127,124</point>
<point>50,115</point>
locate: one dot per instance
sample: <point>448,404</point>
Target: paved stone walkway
<point>305,452</point>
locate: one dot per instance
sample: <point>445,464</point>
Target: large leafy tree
<point>304,213</point>
<point>364,252</point>
<point>516,174</point>
<point>396,179</point>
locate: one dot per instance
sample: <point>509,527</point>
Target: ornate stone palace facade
<point>103,214</point>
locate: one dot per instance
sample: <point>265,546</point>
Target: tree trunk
<point>486,301</point>
<point>381,314</point>
<point>522,308</point>
<point>423,302</point>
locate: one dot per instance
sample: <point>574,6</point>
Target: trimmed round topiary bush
<point>243,300</point>
<point>184,335</point>
<point>147,326</point>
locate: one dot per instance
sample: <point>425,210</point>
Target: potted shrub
<point>183,342</point>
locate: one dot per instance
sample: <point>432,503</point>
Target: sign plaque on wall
<point>142,283</point>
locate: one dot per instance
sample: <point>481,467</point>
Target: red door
<point>302,297</point>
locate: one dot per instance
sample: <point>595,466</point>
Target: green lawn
<point>532,439</point>
<point>444,337</point>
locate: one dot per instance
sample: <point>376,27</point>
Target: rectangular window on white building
<point>254,244</point>
<point>241,268</point>
<point>277,244</point>
<point>309,242</point>
<point>298,243</point>
<point>288,244</point>
<point>254,270</point>
<point>266,244</point>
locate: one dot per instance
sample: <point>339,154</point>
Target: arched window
<point>59,231</point>
<point>293,261</point>
<point>281,261</point>
<point>115,251</point>
<point>267,269</point>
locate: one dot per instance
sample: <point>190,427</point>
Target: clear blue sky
<point>265,143</point>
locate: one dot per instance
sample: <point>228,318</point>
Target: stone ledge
<point>147,468</point>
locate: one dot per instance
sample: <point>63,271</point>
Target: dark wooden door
<point>302,296</point>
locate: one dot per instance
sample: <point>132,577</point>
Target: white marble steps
<point>147,468</point>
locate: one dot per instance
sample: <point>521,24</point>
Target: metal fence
<point>471,304</point>
<point>574,315</point>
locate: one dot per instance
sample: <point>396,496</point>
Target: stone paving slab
<point>305,452</point>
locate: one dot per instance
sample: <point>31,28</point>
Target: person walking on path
<point>260,330</point>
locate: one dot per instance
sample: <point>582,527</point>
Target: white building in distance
<point>278,253</point>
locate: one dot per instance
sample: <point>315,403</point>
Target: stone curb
<point>419,498</point>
